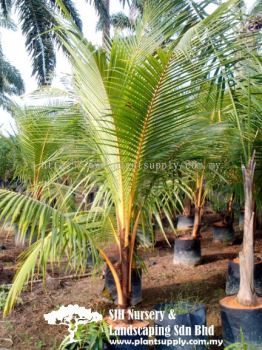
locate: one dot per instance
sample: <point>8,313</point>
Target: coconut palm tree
<point>242,109</point>
<point>246,120</point>
<point>37,18</point>
<point>143,108</point>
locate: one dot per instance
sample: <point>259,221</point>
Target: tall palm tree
<point>245,119</point>
<point>103,10</point>
<point>37,19</point>
<point>142,106</point>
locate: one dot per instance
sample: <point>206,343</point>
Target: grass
<point>182,303</point>
<point>181,307</point>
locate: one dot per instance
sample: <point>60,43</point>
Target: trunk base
<point>109,291</point>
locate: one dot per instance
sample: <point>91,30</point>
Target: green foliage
<point>4,290</point>
<point>7,158</point>
<point>90,336</point>
<point>182,303</point>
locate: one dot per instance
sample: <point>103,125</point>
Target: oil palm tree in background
<point>106,20</point>
<point>37,19</point>
<point>142,105</point>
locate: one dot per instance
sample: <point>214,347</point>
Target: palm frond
<point>70,7</point>
<point>100,9</point>
<point>36,22</point>
<point>120,21</point>
<point>7,22</point>
<point>5,6</point>
<point>13,81</point>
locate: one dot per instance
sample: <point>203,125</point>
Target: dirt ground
<point>25,328</point>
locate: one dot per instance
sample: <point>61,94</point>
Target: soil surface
<point>26,329</point>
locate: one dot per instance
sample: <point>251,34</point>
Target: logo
<point>72,316</point>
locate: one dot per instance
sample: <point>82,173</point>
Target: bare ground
<point>26,329</point>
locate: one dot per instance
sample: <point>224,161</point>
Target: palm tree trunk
<point>124,271</point>
<point>246,295</point>
<point>125,277</point>
<point>255,217</point>
<point>198,206</point>
<point>197,222</point>
<point>106,26</point>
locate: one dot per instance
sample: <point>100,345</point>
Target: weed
<point>4,290</point>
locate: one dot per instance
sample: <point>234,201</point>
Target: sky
<point>14,49</point>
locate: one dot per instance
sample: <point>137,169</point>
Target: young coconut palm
<point>200,177</point>
<point>242,108</point>
<point>142,106</point>
<point>247,116</point>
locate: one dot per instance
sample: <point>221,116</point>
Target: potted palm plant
<point>223,230</point>
<point>200,180</point>
<point>243,312</point>
<point>187,247</point>
<point>246,305</point>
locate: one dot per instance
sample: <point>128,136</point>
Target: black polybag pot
<point>184,222</point>
<point>136,286</point>
<point>187,251</point>
<point>195,317</point>
<point>246,321</point>
<point>233,278</point>
<point>223,233</point>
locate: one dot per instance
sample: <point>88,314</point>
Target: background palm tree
<point>37,19</point>
<point>103,10</point>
